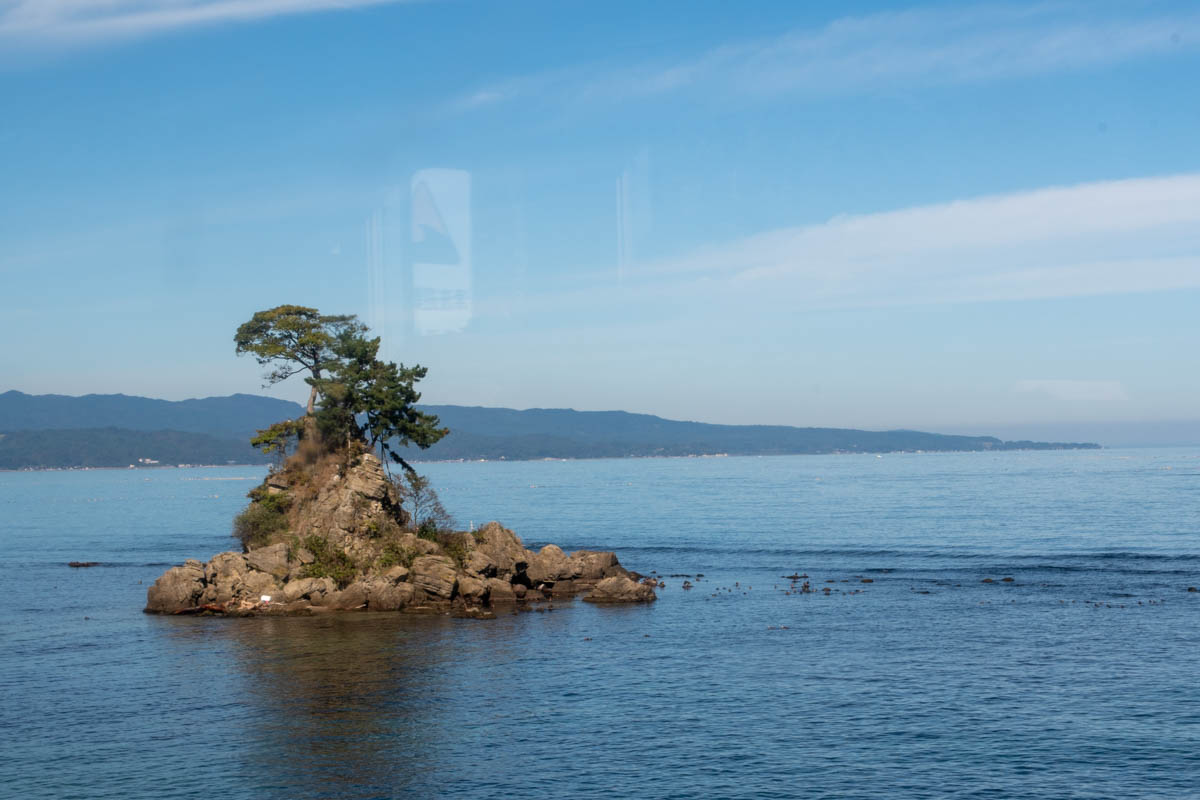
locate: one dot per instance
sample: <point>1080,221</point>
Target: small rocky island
<point>346,548</point>
<point>330,529</point>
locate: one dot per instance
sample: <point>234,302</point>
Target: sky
<point>937,216</point>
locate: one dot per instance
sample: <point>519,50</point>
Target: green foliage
<point>428,530</point>
<point>259,523</point>
<point>329,562</point>
<point>293,339</point>
<point>454,547</point>
<point>364,397</point>
<point>280,438</point>
<point>361,397</point>
<point>394,554</point>
<point>279,502</point>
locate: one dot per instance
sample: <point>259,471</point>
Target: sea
<point>923,672</point>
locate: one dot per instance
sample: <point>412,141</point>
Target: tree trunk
<point>312,401</point>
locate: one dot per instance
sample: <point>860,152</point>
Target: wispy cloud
<point>1095,238</point>
<point>934,46</point>
<point>1076,392</point>
<point>36,22</point>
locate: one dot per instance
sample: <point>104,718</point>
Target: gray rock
<point>481,564</point>
<point>620,589</point>
<point>301,588</point>
<point>390,597</point>
<point>435,575</point>
<point>255,584</point>
<point>323,596</point>
<point>563,588</point>
<point>500,591</point>
<point>176,589</point>
<point>590,564</point>
<point>473,591</point>
<point>224,577</point>
<point>396,574</point>
<point>271,559</point>
<point>502,548</point>
<point>367,478</point>
<point>224,566</point>
<point>548,565</point>
<point>414,543</point>
<point>353,596</point>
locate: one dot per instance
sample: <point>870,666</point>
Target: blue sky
<point>861,214</point>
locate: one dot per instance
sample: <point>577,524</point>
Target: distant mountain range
<point>42,431</point>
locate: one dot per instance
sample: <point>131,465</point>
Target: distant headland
<point>63,432</point>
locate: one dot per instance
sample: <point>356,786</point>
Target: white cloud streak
<point>65,22</point>
<point>918,47</point>
<point>1096,238</point>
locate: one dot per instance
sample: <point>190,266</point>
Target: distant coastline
<point>57,432</point>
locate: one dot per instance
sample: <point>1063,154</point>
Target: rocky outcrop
<point>346,549</point>
<point>494,571</point>
<point>436,576</point>
<point>620,589</point>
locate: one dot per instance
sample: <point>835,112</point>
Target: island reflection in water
<point>361,705</point>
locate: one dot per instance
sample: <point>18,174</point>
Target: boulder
<point>620,589</point>
<point>435,575</point>
<point>414,543</point>
<point>255,584</point>
<point>178,588</point>
<point>481,564</point>
<point>502,548</point>
<point>224,577</point>
<point>353,596</point>
<point>224,567</point>
<point>548,565</point>
<point>304,587</point>
<point>591,564</point>
<point>500,591</point>
<point>389,596</point>
<point>473,591</point>
<point>563,588</point>
<point>396,574</point>
<point>272,559</point>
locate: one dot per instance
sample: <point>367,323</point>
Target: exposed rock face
<point>435,575</point>
<point>271,559</point>
<point>345,549</point>
<point>503,550</point>
<point>592,565</point>
<point>179,587</point>
<point>548,565</point>
<point>620,589</point>
<point>391,597</point>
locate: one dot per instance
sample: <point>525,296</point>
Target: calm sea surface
<point>1080,678</point>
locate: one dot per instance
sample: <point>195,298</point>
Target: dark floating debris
<point>1192,589</point>
<point>987,580</point>
<point>1006,580</point>
<point>78,564</point>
